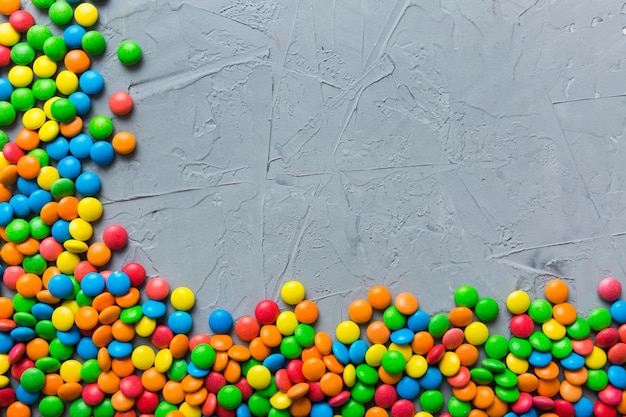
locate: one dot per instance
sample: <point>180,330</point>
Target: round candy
<point>518,302</point>
<point>266,312</point>
<point>466,296</point>
<point>93,42</point>
<point>182,298</point>
<point>129,52</point>
<point>610,289</point>
<point>86,14</point>
<point>120,103</point>
<point>220,321</point>
<point>292,292</point>
<point>115,236</point>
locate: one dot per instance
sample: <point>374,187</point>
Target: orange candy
<point>28,167</point>
<point>570,392</point>
<point>578,377</point>
<point>28,247</point>
<point>360,311</point>
<point>461,316</point>
<point>377,332</point>
<point>223,342</point>
<point>467,393</point>
<point>52,383</point>
<point>6,308</point>
<point>10,254</point>
<point>467,353</point>
<point>108,382</point>
<point>422,343</point>
<point>484,397</point>
<point>49,213</point>
<point>232,371</point>
<point>549,371</point>
<point>564,313</point>
<point>67,208</point>
<point>124,332</point>
<point>173,392</point>
<point>258,349</point>
<point>527,382</point>
<point>556,291</point>
<point>37,348</point>
<point>69,391</point>
<point>406,303</point>
<point>18,409</point>
<point>86,318</point>
<point>122,367</point>
<point>323,343</point>
<point>548,387</point>
<point>179,346</point>
<point>306,312</point>
<point>331,384</point>
<point>300,407</point>
<point>120,402</point>
<point>153,380</point>
<point>376,411</point>
<point>239,353</point>
<point>313,369</point>
<point>269,335</point>
<point>124,143</point>
<point>28,285</point>
<point>77,61</point>
<point>98,254</point>
<point>71,129</point>
<point>379,297</point>
<point>196,398</point>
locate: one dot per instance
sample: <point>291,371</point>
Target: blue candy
<point>153,309</point>
<point>61,286</point>
<point>180,322</point>
<point>341,352</point>
<point>402,336</point>
<point>92,284</point>
<point>118,283</point>
<point>357,351</point>
<point>408,388</point>
<point>418,321</point>
<point>432,379</point>
<point>220,321</point>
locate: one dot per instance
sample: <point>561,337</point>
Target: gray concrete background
<point>347,143</point>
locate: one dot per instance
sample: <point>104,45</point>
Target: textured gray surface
<point>419,145</point>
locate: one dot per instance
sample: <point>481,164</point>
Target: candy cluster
<point>80,340</point>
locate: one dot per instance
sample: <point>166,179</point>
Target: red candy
<point>266,311</point>
<point>223,412</point>
<point>617,354</point>
<point>147,402</point>
<point>315,393</point>
<point>385,395</point>
<point>461,378</point>
<point>602,410</point>
<point>610,395</point>
<point>563,408</point>
<point>50,250</point>
<point>131,386</point>
<point>16,353</point>
<point>214,381</point>
<point>453,338</point>
<point>435,354</point>
<point>523,403</point>
<point>10,150</point>
<point>136,272</point>
<point>161,336</point>
<point>610,289</point>
<point>157,289</point>
<point>543,403</point>
<point>21,20</point>
<point>522,326</point>
<point>20,366</point>
<point>247,328</point>
<point>403,408</point>
<point>339,399</point>
<point>583,347</point>
<point>92,395</point>
<point>120,103</point>
<point>5,56</point>
<point>7,397</point>
<point>115,236</point>
<point>282,380</point>
<point>294,371</point>
<point>198,339</point>
<point>210,404</point>
<point>245,388</point>
<point>607,338</point>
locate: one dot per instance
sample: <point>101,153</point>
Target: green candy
<point>18,230</point>
<point>44,160</point>
<point>539,341</point>
<point>131,315</point>
<point>32,380</point>
<point>493,365</point>
<point>42,4</point>
<point>47,364</point>
<point>487,309</point>
<point>22,53</point>
<point>93,42</point>
<point>51,407</point>
<point>38,229</point>
<point>60,12</point>
<point>393,362</point>
<point>7,113</point>
<point>259,405</point>
<point>82,299</point>
<point>305,335</point>
<point>22,99</point>
<point>366,374</point>
<point>62,187</point>
<point>78,408</point>
<point>431,401</point>
<point>597,379</point>
<point>37,35</point>
<point>520,347</point>
<point>246,365</point>
<point>45,329</point>
<point>178,370</point>
<point>23,304</point>
<point>23,319</point>
<point>481,376</point>
<point>34,264</point>
<point>270,390</point>
<point>55,48</point>
<point>362,393</point>
<point>466,296</point>
<point>562,348</point>
<point>100,127</point>
<point>353,409</point>
<point>105,409</point>
<point>229,397</point>
<point>599,318</point>
<point>506,379</point>
<point>579,330</point>
<point>290,348</point>
<point>458,408</point>
<point>90,371</point>
<point>60,351</point>
<point>274,412</point>
<point>129,52</point>
<point>540,311</point>
<point>63,110</point>
<point>438,325</point>
<point>4,138</point>
<point>163,408</point>
<point>44,89</point>
<point>496,346</point>
<point>393,319</point>
<point>508,395</point>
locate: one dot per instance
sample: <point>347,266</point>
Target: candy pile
<point>80,340</point>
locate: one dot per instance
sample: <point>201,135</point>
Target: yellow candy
<point>49,131</point>
<point>70,370</point>
<point>182,298</point>
<point>347,332</point>
<point>518,302</point>
<point>67,82</point>
<point>90,209</point>
<point>449,364</point>
<point>80,229</point>
<point>143,357</point>
<point>47,176</point>
<point>163,360</point>
<point>374,354</point>
<point>416,367</point>
<point>349,375</point>
<point>33,118</point>
<point>72,305</point>
<point>259,377</point>
<point>280,401</point>
<point>75,246</point>
<point>47,105</point>
<point>292,292</point>
<point>516,365</point>
<point>62,318</point>
<point>4,381</point>
<point>597,359</point>
<point>476,333</point>
<point>406,350</point>
<point>86,14</point>
<point>44,67</point>
<point>185,408</point>
<point>423,414</point>
<point>20,76</point>
<point>4,363</point>
<point>8,35</point>
<point>553,329</point>
<point>145,326</point>
<point>286,323</point>
<point>3,162</point>
<point>67,261</point>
